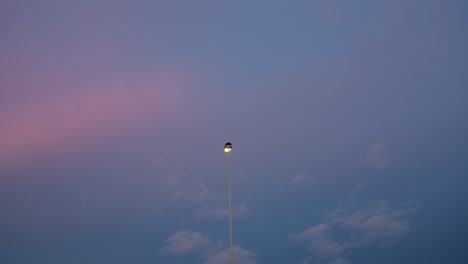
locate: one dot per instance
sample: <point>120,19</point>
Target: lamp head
<point>227,147</point>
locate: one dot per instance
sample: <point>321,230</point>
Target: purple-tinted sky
<point>348,121</point>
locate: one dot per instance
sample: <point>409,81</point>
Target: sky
<point>348,121</point>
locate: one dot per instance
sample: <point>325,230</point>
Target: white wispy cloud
<point>377,156</point>
<point>186,242</point>
<point>240,256</point>
<point>359,186</point>
<point>183,242</point>
<point>338,261</point>
<point>302,178</point>
<point>321,242</point>
<point>180,185</point>
<point>195,191</point>
<point>240,210</point>
<point>376,225</point>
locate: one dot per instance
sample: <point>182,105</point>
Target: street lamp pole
<point>227,149</point>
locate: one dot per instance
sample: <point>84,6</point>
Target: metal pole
<point>231,255</point>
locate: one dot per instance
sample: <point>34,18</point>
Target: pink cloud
<point>44,127</point>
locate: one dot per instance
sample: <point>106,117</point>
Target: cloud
<point>338,261</point>
<point>186,242</point>
<point>192,190</point>
<point>302,178</point>
<point>240,256</point>
<point>183,242</point>
<point>179,184</point>
<point>332,15</point>
<point>321,243</point>
<point>65,84</point>
<point>240,210</point>
<point>359,186</point>
<point>314,232</point>
<point>376,156</point>
<point>376,225</point>
<point>334,261</point>
<point>41,128</point>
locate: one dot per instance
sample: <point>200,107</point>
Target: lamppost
<point>227,149</point>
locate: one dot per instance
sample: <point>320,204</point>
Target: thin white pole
<point>231,255</point>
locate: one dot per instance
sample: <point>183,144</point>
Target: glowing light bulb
<point>228,147</point>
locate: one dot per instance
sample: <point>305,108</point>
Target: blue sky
<point>348,122</point>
